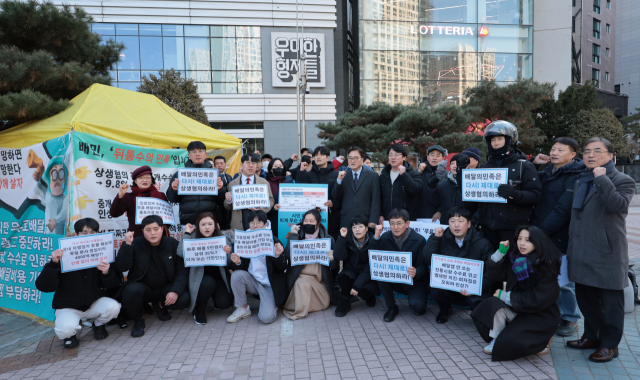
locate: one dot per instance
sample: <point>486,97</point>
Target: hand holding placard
<point>56,255</point>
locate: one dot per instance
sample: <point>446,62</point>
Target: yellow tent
<point>126,116</point>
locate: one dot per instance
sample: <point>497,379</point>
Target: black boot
<point>343,308</point>
<point>138,328</point>
<point>390,315</point>
<point>161,312</point>
<point>100,332</point>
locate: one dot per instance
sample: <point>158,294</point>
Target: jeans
<point>568,304</point>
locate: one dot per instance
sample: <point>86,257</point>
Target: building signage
<point>446,30</point>
<point>284,59</point>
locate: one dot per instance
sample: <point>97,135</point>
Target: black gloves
<point>433,181</point>
<point>508,192</point>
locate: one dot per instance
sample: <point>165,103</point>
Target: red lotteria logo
<point>484,31</point>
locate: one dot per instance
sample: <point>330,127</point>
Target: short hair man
<point>427,169</point>
<point>289,162</point>
<point>80,294</point>
<point>464,241</point>
<point>400,184</point>
<point>220,163</point>
<point>156,274</point>
<point>402,238</point>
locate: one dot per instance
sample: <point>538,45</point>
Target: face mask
<point>265,165</point>
<point>278,172</point>
<point>309,229</point>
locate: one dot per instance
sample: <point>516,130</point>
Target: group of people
<point>572,206</point>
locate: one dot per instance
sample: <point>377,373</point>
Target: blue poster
<point>295,199</point>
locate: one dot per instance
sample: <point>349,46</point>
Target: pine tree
<point>48,55</point>
<point>178,93</point>
<point>599,123</point>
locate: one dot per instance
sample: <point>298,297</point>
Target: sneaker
<point>200,317</point>
<point>489,348</point>
<point>547,349</point>
<point>71,342</point>
<point>390,315</point>
<point>100,332</point>
<point>567,328</point>
<point>239,313</point>
<point>444,317</point>
<point>371,302</point>
<point>138,328</point>
<point>343,309</point>
<point>161,312</point>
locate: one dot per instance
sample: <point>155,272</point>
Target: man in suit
<point>358,191</point>
<point>220,163</point>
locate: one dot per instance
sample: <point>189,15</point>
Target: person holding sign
<point>263,276</point>
<point>81,294</point>
<point>156,274</point>
<point>310,286</point>
<point>527,304</point>
<point>464,241</point>
<point>207,282</point>
<point>522,191</point>
<point>275,176</point>
<point>405,193</point>
<point>355,278</point>
<point>401,238</point>
<point>143,186</point>
<point>448,192</point>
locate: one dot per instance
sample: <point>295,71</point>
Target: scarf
<point>274,183</point>
<point>585,182</point>
<point>400,240</point>
<point>521,265</point>
<point>358,244</point>
<point>452,178</point>
<point>136,191</point>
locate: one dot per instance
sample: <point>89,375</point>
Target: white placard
<point>201,252</point>
<point>146,206</point>
<point>425,229</point>
<point>481,185</point>
<point>310,251</point>
<point>390,266</point>
<point>284,59</point>
<point>563,278</point>
<point>86,251</point>
<point>456,274</point>
<point>247,196</point>
<point>295,198</point>
<point>251,244</point>
<point>198,181</point>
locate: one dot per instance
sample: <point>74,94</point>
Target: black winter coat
<point>403,193</point>
<point>534,300</point>
<point>225,215</point>
<point>276,268</point>
<point>415,244</point>
<point>426,208</point>
<point>557,197</point>
<point>354,259</point>
<point>193,205</point>
<point>523,176</point>
<point>327,176</point>
<point>135,258</point>
<point>474,247</point>
<point>75,290</point>
<point>449,195</point>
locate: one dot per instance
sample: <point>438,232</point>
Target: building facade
<point>627,53</point>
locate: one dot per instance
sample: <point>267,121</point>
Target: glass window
<point>131,86</point>
<point>518,12</point>
<point>507,39</point>
<point>197,54</point>
<point>224,76</point>
<point>204,88</point>
<point>150,30</point>
<point>608,28</point>
<point>462,66</point>
<point>595,53</point>
<point>461,11</point>
<point>505,67</point>
<point>173,53</point>
<point>172,30</point>
<point>595,77</point>
<point>248,31</point>
<point>596,6</point>
<point>389,35</point>
<point>446,37</point>
<point>606,76</point>
<point>156,73</point>
<point>390,92</point>
<point>151,53</point>
<point>196,31</point>
<point>249,53</point>
<point>390,10</point>
<point>390,65</point>
<point>616,88</point>
<point>223,53</point>
<point>225,88</point>
<point>608,4</point>
<point>608,52</point>
<point>249,88</point>
<point>127,29</point>
<point>104,29</point>
<point>249,76</point>
<point>130,56</point>
<point>223,31</point>
<point>596,28</point>
<point>439,93</point>
<point>128,76</point>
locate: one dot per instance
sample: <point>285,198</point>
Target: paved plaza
<point>358,346</point>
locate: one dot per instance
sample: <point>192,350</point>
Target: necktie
<point>248,181</point>
<point>355,180</point>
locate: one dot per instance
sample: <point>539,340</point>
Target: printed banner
<point>296,199</point>
<point>146,206</point>
<point>310,251</point>
<point>201,252</point>
<point>247,196</point>
<point>86,251</point>
<point>481,185</point>
<point>198,181</point>
<point>390,266</point>
<point>455,274</point>
<point>250,244</point>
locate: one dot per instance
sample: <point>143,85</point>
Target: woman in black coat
<point>528,304</point>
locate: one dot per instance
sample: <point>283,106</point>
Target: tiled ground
<point>359,346</point>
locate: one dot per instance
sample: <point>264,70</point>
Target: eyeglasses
<point>397,224</point>
<point>144,177</point>
<point>255,224</point>
<point>356,158</point>
<point>57,174</point>
<point>596,152</point>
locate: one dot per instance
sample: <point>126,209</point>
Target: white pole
<point>298,79</point>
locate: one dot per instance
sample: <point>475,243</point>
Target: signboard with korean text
<point>390,266</point>
<point>247,196</point>
<point>284,59</point>
<point>456,274</point>
<point>425,229</point>
<point>201,252</point>
<point>146,206</point>
<point>250,244</point>
<point>481,185</point>
<point>198,181</point>
<point>310,251</point>
<point>297,198</point>
<point>86,251</point>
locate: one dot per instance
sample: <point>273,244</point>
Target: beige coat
<point>236,215</point>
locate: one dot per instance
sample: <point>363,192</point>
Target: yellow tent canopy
<point>126,116</point>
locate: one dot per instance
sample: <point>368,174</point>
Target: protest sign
<point>247,196</point>
<point>425,229</point>
<point>310,251</point>
<point>201,252</point>
<point>390,266</point>
<point>296,199</point>
<point>146,206</point>
<point>250,244</point>
<point>86,251</point>
<point>455,274</point>
<point>198,181</point>
<point>481,185</point>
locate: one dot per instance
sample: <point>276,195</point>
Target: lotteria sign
<point>448,30</point>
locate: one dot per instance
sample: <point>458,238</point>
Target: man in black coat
<point>220,163</point>
<point>552,214</point>
<point>461,240</point>
<point>522,191</point>
<point>401,238</point>
<point>193,205</point>
<point>81,294</point>
<point>156,274</point>
<point>400,184</point>
<point>357,190</point>
<point>427,170</point>
<point>288,163</point>
<point>448,193</point>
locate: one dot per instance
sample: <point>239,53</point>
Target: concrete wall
<point>281,137</point>
<point>628,51</point>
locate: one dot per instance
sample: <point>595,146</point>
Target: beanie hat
<point>139,172</point>
<point>473,153</point>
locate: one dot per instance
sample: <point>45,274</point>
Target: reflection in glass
<point>390,92</point>
<point>403,10</point>
<point>199,76</point>
<point>507,39</point>
<point>223,53</point>
<point>390,65</point>
<point>388,35</point>
<point>249,52</point>
<point>249,88</point>
<point>247,31</point>
<point>130,56</point>
<point>461,66</point>
<point>150,30</point>
<point>439,93</point>
<point>173,53</point>
<point>127,29</point>
<point>223,31</point>
<point>172,30</point>
<point>204,88</point>
<point>131,86</point>
<point>104,29</point>
<point>156,73</point>
<point>447,37</point>
<point>151,53</point>
<point>505,67</point>
<point>196,30</point>
<point>462,11</point>
<point>518,12</point>
<point>224,76</point>
<point>249,76</point>
<point>198,56</point>
<point>129,76</point>
<point>224,88</point>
